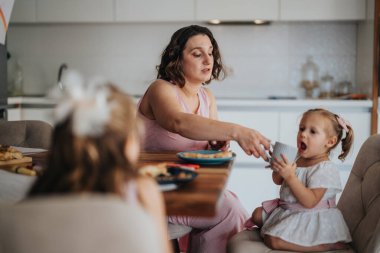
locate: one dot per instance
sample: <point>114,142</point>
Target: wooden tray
<point>25,159</point>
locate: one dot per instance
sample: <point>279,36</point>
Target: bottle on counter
<point>310,77</point>
<point>18,80</point>
<point>15,77</point>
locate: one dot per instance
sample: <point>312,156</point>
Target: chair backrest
<point>77,224</point>
<point>26,133</point>
<point>360,200</point>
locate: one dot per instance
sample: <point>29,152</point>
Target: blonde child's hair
<point>346,137</point>
<point>80,162</point>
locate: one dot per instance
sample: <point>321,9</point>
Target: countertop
<point>235,103</point>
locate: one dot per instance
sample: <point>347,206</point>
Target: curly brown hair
<point>170,68</point>
<point>338,130</point>
<point>79,164</point>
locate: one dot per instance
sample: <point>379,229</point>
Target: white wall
<point>265,60</point>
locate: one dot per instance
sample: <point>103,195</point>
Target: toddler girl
<point>305,218</point>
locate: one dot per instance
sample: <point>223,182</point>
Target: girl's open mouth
<point>302,146</point>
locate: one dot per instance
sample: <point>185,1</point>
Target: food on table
<point>165,172</point>
<point>8,153</point>
<point>153,170</point>
<point>222,154</point>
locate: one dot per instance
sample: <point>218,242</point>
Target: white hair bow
<point>87,103</point>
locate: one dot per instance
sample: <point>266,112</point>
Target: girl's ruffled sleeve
<point>325,175</point>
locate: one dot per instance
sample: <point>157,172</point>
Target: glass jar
<point>343,88</point>
<point>309,77</point>
<point>326,86</point>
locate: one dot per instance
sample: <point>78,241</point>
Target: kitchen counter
<point>226,103</point>
<point>31,101</point>
<point>289,104</point>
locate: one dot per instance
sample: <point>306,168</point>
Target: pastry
<point>8,153</point>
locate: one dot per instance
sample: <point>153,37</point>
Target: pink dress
<point>209,235</point>
<point>160,139</point>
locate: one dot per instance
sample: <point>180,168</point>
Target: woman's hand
<point>219,145</point>
<point>283,167</point>
<point>252,142</point>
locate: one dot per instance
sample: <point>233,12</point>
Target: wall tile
<point>265,60</point>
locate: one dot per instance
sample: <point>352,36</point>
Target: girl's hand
<point>284,168</point>
<point>219,145</point>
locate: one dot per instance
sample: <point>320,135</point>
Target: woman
<point>95,147</point>
<point>180,114</point>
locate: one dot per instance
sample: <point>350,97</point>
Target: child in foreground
<point>305,218</point>
<point>95,148</point>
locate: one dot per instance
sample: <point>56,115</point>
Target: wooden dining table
<point>199,197</point>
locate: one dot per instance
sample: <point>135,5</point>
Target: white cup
<point>288,151</point>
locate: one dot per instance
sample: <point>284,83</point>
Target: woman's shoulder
<point>160,87</point>
<point>209,94</point>
<point>160,83</point>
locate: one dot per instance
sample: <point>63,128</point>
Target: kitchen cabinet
<point>44,114</point>
<point>292,10</point>
<point>74,10</point>
<point>236,10</point>
<point>24,11</point>
<point>53,11</point>
<point>264,122</point>
<point>77,11</point>
<point>152,10</point>
<point>31,108</point>
<point>13,114</point>
<point>252,186</point>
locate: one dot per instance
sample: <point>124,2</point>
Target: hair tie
<point>343,123</point>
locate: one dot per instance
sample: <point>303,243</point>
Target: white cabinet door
<point>323,10</point>
<point>264,122</point>
<point>360,121</point>
<point>14,114</point>
<point>74,10</point>
<point>153,10</point>
<point>44,114</point>
<point>24,11</point>
<point>236,10</point>
<point>252,186</point>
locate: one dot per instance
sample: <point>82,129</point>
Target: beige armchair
<point>77,224</point>
<point>26,133</point>
<point>359,203</point>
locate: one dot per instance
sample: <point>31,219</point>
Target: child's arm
<point>305,196</point>
<point>152,200</point>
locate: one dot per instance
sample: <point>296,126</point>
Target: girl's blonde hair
<point>338,130</point>
<point>92,163</point>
